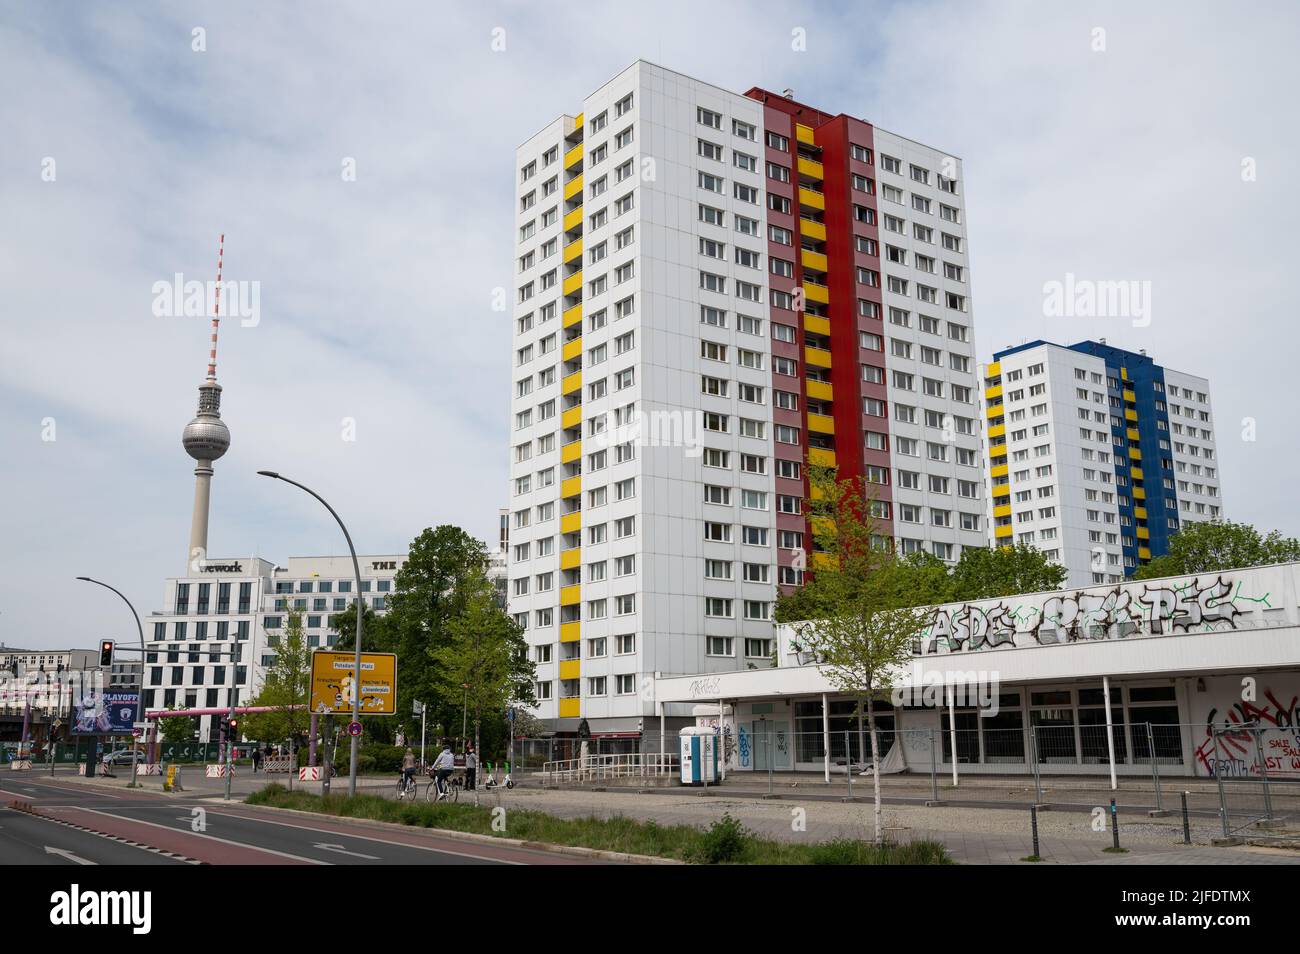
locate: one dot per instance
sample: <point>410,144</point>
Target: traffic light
<point>233,735</point>
<point>223,727</point>
<point>106,653</point>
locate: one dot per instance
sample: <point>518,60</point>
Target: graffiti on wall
<point>1194,605</point>
<point>1238,752</point>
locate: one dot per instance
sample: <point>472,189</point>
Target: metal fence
<point>1255,769</point>
<point>594,768</point>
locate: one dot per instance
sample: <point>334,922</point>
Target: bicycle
<point>406,786</point>
<point>448,794</point>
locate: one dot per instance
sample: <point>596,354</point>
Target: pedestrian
<point>471,767</point>
<point>257,758</point>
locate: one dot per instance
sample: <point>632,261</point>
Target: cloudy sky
<point>125,152</point>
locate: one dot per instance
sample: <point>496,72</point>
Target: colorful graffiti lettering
<point>1237,753</point>
<point>1090,615</point>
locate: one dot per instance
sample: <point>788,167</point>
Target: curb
<point>599,853</point>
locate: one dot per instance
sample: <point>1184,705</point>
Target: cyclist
<point>408,768</point>
<point>443,766</point>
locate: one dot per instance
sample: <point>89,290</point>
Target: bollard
<point>1187,828</point>
<point>1033,824</point>
<point>1114,824</point>
<point>1155,771</point>
<point>934,769</point>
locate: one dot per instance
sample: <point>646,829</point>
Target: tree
<point>863,604</point>
<point>1003,571</point>
<point>178,730</point>
<point>286,686</point>
<point>484,660</point>
<point>1220,545</point>
<point>444,573</point>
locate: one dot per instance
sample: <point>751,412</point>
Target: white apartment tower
<point>713,288</point>
<point>1097,455</point>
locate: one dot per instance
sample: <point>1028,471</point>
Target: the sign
<point>309,773</point>
<point>333,683</point>
<point>354,729</point>
<point>105,713</point>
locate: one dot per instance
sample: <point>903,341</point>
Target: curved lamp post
<point>356,569</point>
<point>139,702</point>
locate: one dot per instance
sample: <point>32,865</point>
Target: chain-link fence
<point>1256,769</point>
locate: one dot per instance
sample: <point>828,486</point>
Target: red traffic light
<point>106,652</point>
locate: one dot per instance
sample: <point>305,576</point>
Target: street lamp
<point>139,700</point>
<point>356,569</point>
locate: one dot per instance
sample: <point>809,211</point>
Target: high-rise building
<point>712,289</point>
<point>1096,455</point>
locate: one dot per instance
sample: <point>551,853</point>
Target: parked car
<point>121,757</point>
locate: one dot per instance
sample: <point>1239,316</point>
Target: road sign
<point>332,682</point>
<point>137,732</point>
<point>354,729</point>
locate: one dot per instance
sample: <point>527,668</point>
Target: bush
<point>850,851</point>
<point>725,841</point>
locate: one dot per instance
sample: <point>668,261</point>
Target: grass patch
<point>1031,858</point>
<point>1115,851</point>
<point>726,841</point>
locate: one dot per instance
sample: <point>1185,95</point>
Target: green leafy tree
<point>286,686</point>
<point>1220,545</point>
<point>444,572</point>
<point>1002,571</point>
<point>485,661</point>
<point>178,730</point>
<point>865,606</point>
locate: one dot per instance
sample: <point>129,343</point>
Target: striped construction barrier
<point>21,765</point>
<point>148,768</point>
<point>310,773</point>
<point>218,771</point>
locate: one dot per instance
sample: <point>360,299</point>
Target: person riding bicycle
<point>443,766</point>
<point>408,767</point>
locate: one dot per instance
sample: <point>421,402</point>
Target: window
<point>707,117</point>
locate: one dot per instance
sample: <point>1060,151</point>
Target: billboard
<point>333,683</point>
<point>104,713</point>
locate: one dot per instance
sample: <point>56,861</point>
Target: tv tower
<point>206,437</point>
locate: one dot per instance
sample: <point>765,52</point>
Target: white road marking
<point>382,841</point>
<point>224,841</point>
<point>343,851</point>
<point>64,853</point>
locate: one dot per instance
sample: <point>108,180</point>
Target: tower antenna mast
<point>216,311</point>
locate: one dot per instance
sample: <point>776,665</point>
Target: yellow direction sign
<point>333,683</point>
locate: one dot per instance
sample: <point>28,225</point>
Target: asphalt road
<point>199,828</point>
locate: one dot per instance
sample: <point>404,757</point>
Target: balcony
<point>573,283</point>
<point>994,369</point>
<point>1002,510</point>
<point>821,423</point>
<point>821,457</point>
<point>813,260</point>
<point>1130,415</point>
<point>993,392</point>
<point>570,523</point>
<point>571,418</point>
<point>573,316</point>
<point>571,451</point>
<point>571,558</point>
<point>1134,453</point>
<point>804,134</point>
<point>1144,553</point>
<point>997,430</point>
<point>810,168</point>
<point>570,632</point>
<point>573,187</point>
<point>818,357</point>
<point>1001,490</point>
<point>814,200</point>
<point>999,471</point>
<point>1002,532</point>
<point>1129,395</point>
<point>819,390</point>
<point>571,486</point>
<point>817,325</point>
<point>573,220</point>
<point>571,349</point>
<point>571,383</point>
<point>572,250</point>
<point>570,708</point>
<point>997,450</point>
<point>994,411</point>
<point>574,156</point>
<point>570,595</point>
<point>1133,434</point>
<point>570,668</point>
<point>814,230</point>
<point>815,292</point>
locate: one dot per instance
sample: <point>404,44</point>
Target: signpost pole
<point>230,735</point>
<point>139,704</point>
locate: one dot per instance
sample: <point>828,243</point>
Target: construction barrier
<point>310,773</point>
<point>20,765</point>
<point>277,763</point>
<point>218,771</point>
<point>148,768</point>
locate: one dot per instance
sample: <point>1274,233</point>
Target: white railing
<point>599,767</point>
